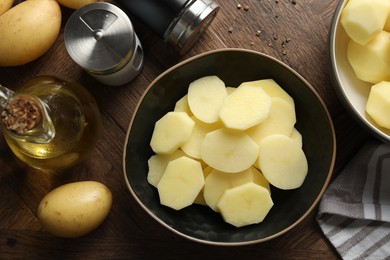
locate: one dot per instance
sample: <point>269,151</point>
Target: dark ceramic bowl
<point>352,92</point>
<point>233,66</point>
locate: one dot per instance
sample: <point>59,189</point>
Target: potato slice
<point>378,104</point>
<point>363,19</point>
<point>371,62</point>
<point>181,183</point>
<point>158,163</point>
<point>272,88</point>
<point>245,204</point>
<point>281,120</point>
<point>245,107</point>
<point>182,106</point>
<point>282,161</point>
<point>297,136</point>
<point>217,182</point>
<point>200,198</point>
<point>171,131</point>
<point>229,151</point>
<point>230,90</point>
<point>192,146</point>
<point>259,179</point>
<point>205,98</point>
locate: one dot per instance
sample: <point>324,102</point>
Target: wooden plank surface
<point>295,33</point>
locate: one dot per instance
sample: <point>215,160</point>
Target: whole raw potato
<point>5,5</point>
<point>75,4</point>
<point>28,30</point>
<point>75,209</point>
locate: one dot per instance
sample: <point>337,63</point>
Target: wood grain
<point>296,34</point>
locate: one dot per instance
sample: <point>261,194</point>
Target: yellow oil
<point>76,120</point>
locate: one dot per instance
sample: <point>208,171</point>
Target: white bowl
<point>352,91</point>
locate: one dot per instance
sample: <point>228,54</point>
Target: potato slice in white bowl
<point>371,62</point>
<point>363,19</point>
<point>378,104</point>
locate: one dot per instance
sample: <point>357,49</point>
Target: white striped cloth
<point>354,212</point>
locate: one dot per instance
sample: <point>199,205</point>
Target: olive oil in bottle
<point>49,123</point>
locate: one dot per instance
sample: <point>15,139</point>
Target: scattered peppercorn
<point>246,8</point>
<point>294,2</point>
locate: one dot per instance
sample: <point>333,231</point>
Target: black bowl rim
<point>298,221</point>
<point>338,86</point>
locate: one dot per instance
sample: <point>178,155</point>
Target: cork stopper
<point>20,115</point>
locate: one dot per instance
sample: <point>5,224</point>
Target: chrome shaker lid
<point>100,38</point>
<point>193,21</point>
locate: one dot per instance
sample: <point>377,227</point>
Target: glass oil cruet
<point>49,123</point>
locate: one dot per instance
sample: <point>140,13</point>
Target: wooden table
<point>295,32</point>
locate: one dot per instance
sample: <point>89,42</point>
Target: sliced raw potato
<point>272,88</point>
<point>259,179</point>
<point>282,161</point>
<point>217,182</point>
<point>378,104</point>
<point>363,19</point>
<point>371,62</point>
<point>200,198</point>
<point>171,131</point>
<point>158,163</point>
<point>192,146</point>
<point>229,151</point>
<point>230,90</point>
<point>245,107</point>
<point>245,204</point>
<point>224,148</point>
<point>281,120</point>
<point>181,183</point>
<point>205,98</point>
<point>387,25</point>
<point>296,136</point>
<point>182,106</point>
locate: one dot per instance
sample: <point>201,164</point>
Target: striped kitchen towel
<point>354,212</point>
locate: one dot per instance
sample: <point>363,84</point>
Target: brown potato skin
<point>75,4</point>
<point>28,30</point>
<point>5,5</point>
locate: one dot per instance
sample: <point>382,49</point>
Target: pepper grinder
<point>178,22</point>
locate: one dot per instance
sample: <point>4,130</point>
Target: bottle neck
<point>25,118</point>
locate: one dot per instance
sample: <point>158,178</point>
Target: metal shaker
<point>100,38</point>
<point>178,22</point>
